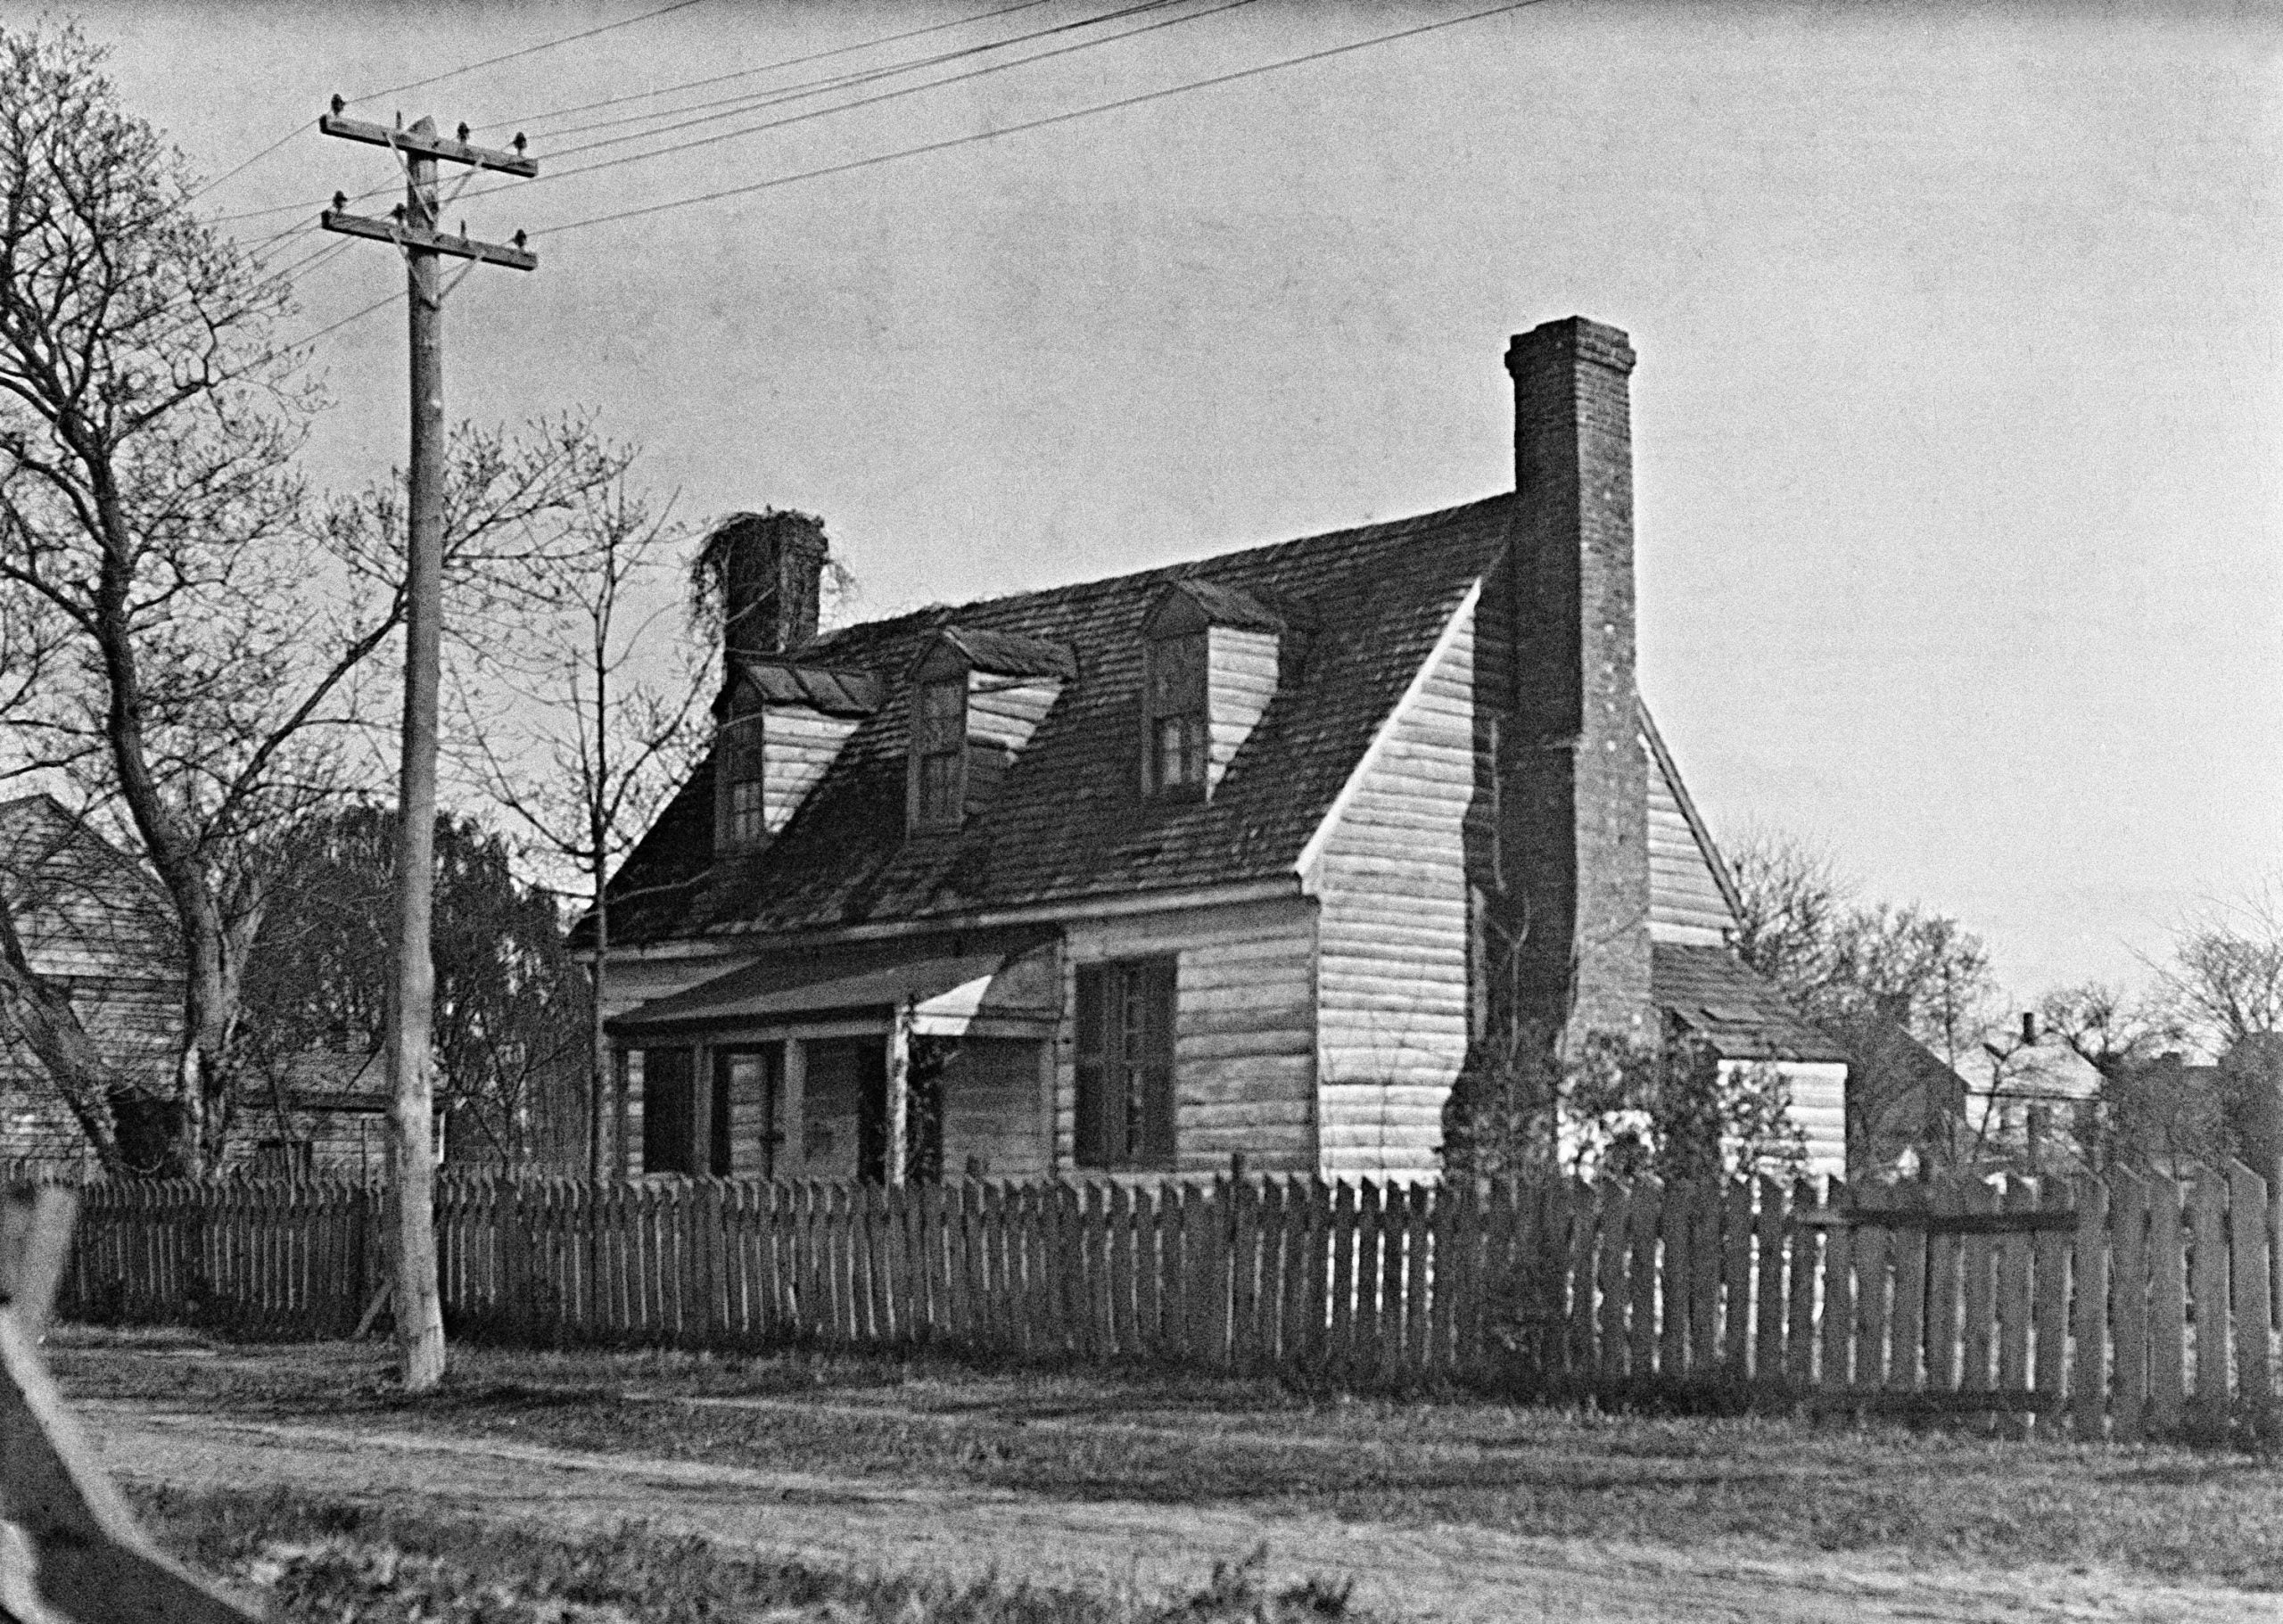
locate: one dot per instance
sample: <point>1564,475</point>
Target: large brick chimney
<point>770,564</point>
<point>1580,772</point>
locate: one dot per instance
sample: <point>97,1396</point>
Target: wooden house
<point>94,924</point>
<point>1247,858</point>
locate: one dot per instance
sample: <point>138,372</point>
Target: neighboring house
<point>93,923</point>
<point>1906,1109</point>
<point>1252,857</point>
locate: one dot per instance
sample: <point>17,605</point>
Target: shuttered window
<point>1125,1064</point>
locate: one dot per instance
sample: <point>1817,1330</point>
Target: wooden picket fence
<point>2132,1306</point>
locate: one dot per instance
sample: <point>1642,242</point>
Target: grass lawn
<point>1752,1483</point>
<point>318,1562</point>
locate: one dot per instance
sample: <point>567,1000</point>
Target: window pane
<point>942,714</point>
<point>1181,752</point>
<point>939,790</point>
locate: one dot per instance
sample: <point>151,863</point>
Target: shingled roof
<point>1741,1013</point>
<point>1065,824</point>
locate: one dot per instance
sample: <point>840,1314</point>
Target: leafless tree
<point>610,724</point>
<point>204,627</point>
<point>2225,980</point>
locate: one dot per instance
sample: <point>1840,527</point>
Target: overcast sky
<point>1956,421</point>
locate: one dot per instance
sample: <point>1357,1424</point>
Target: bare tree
<point>202,627</point>
<point>2225,980</point>
<point>609,730</point>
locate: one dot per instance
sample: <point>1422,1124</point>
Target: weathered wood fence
<point>2133,1306</point>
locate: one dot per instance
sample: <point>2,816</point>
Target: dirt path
<point>1436,1573</point>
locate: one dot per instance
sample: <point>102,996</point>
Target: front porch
<point>897,1061</point>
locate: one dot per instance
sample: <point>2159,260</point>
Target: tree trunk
<point>598,1068</point>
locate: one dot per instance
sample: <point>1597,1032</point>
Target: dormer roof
<point>1191,603</point>
<point>1005,653</point>
<point>833,691</point>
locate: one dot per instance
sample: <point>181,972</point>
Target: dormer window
<point>976,697</point>
<point>748,819</point>
<point>1212,657</point>
<point>943,751</point>
<point>1180,734</point>
<point>780,723</point>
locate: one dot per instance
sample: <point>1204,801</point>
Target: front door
<point>745,1131</point>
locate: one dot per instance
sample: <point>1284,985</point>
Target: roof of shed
<point>1065,824</point>
<point>1742,1014</point>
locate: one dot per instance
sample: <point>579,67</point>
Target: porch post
<point>899,1092</point>
<point>701,1109</point>
<point>792,1112</point>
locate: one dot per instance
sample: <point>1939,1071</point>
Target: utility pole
<point>414,229</point>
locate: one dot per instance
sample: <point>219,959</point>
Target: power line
<point>781,93</point>
<point>244,164</point>
<point>794,93</point>
<point>891,96</point>
<point>247,163</point>
<point>489,61</point>
<point>1030,124</point>
<point>1120,14</point>
<point>990,134</point>
<point>312,338</point>
<point>528,118</point>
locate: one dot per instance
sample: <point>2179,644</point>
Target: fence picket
<point>2127,1244</point>
<point>2207,1283</point>
<point>1611,1283</point>
<point>1978,1298</point>
<point>1834,1371</point>
<point>1674,1271</point>
<point>2049,1251</point>
<point>1872,1245</point>
<point>2248,1271</point>
<point>2087,1398</point>
<point>1736,1322</point>
<point>1641,1280</point>
<point>1906,1324</point>
<point>1943,1361</point>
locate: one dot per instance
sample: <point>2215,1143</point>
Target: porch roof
<point>942,979</point>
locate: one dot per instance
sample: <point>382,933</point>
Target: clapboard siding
<point>993,1123</point>
<point>1686,902</point>
<point>1244,1029</point>
<point>797,746</point>
<point>1240,679</point>
<point>1003,713</point>
<point>1391,981</point>
<point>1820,1108</point>
<point>92,920</point>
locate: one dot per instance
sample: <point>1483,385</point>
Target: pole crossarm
<point>426,143</point>
<point>433,242</point>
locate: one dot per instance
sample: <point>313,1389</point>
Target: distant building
<point>93,923</point>
<point>1248,858</point>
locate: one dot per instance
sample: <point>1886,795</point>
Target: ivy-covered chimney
<point>768,565</point>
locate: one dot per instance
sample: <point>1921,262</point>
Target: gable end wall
<point>1391,982</point>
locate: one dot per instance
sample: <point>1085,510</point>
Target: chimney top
<point>1585,340</point>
